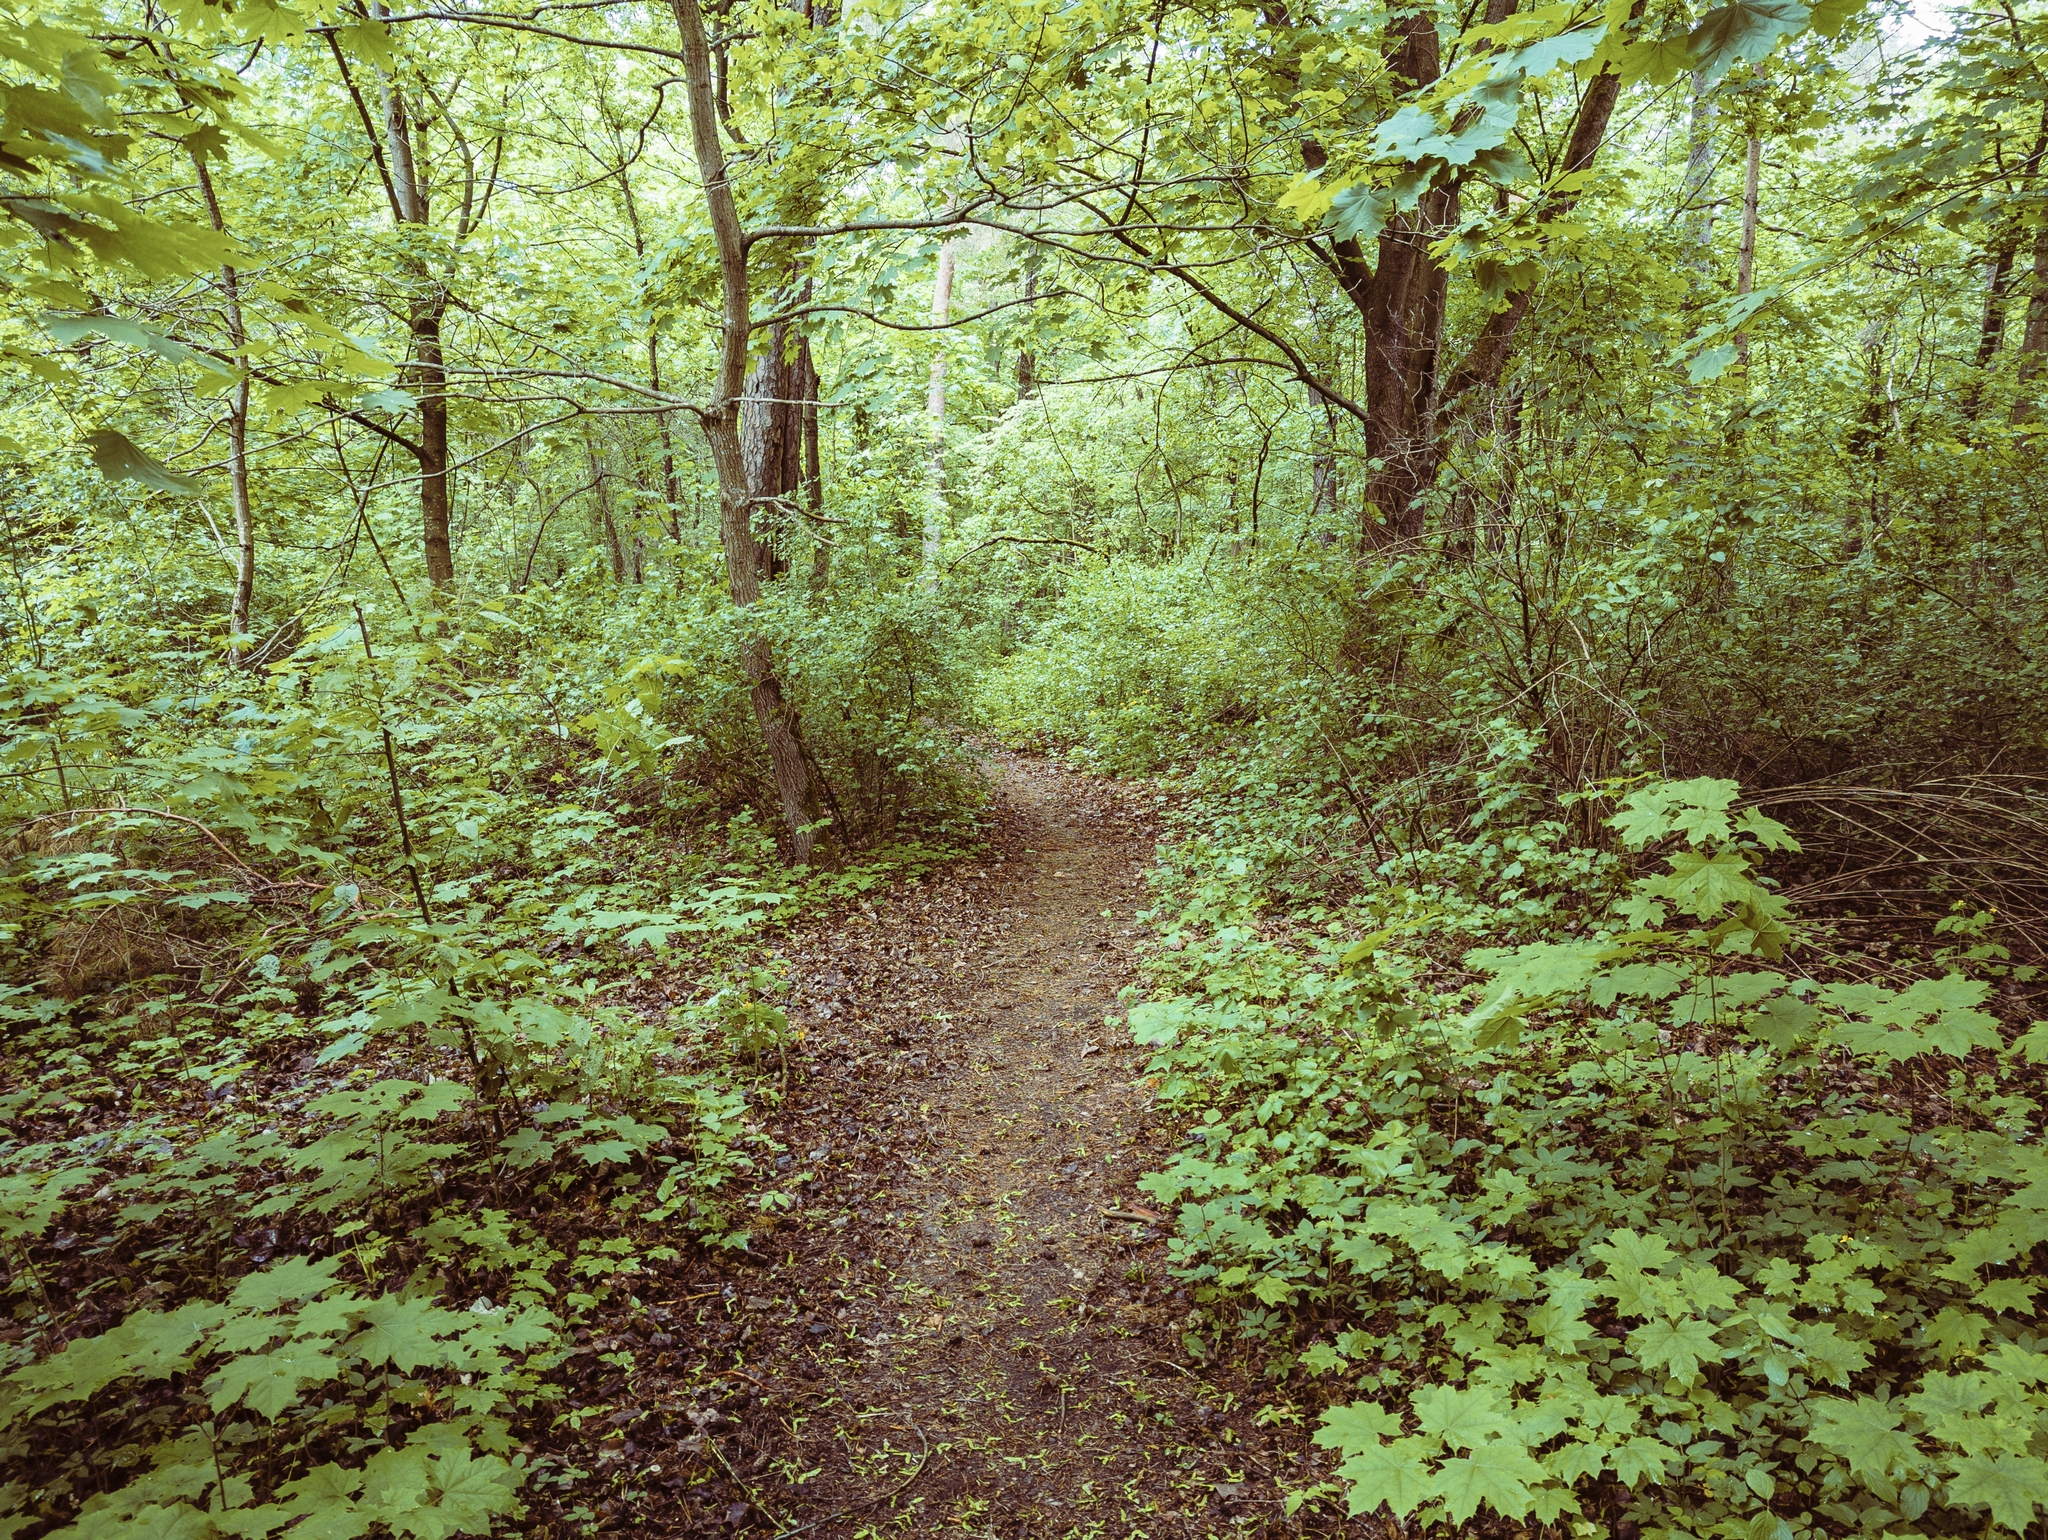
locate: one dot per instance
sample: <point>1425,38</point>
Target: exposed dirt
<point>967,1325</point>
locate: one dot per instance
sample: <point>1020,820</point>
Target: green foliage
<point>1627,1207</point>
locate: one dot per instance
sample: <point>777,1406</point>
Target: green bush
<point>1647,1220</point>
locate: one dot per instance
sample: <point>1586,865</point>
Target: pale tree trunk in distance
<point>1745,259</point>
<point>2034,343</point>
<point>238,425</point>
<point>814,492</point>
<point>671,488</point>
<point>745,557</point>
<point>1027,361</point>
<point>935,409</point>
<point>1694,190</point>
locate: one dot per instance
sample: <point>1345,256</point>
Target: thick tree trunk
<point>780,393</point>
<point>1404,328</point>
<point>745,560</point>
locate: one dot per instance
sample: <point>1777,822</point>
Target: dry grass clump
<point>1920,851</point>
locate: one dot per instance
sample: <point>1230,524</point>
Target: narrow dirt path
<point>967,1325</point>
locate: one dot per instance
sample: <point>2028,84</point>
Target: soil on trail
<point>967,1326</point>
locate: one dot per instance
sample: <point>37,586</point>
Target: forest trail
<point>968,1327</point>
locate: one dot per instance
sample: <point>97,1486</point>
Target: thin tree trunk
<point>745,560</point>
<point>2034,343</point>
<point>671,488</point>
<point>607,527</point>
<point>1507,440</point>
<point>1997,286</point>
<point>935,410</point>
<point>814,488</point>
<point>243,600</point>
<point>1027,361</point>
<point>1695,190</point>
<point>1745,258</point>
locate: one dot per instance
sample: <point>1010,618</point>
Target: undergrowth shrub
<point>309,975</point>
<point>1135,667</point>
<point>1672,1215</point>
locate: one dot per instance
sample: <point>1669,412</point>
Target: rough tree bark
<point>780,394</point>
<point>746,556</point>
<point>1400,299</point>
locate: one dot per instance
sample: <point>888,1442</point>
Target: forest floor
<point>967,1325</point>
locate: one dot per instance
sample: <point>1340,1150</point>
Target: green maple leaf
<point>472,1490</point>
<point>1677,1345</point>
<point>1864,1432</point>
<point>1356,1427</point>
<point>323,1317</point>
<point>1704,885</point>
<point>1391,1473</point>
<point>269,1382</point>
<point>282,1282</point>
<point>401,1333</point>
<point>1640,1457</point>
<point>1496,1474</point>
<point>1743,32</point>
<point>1364,1257</point>
<point>325,1496</point>
<point>1273,1291</point>
<point>1321,1358</point>
<point>245,1334</point>
<point>394,1483</point>
<point>1698,809</point>
<point>442,1096</point>
<point>1783,1023</point>
<point>321,1485</point>
<point>1625,1248</point>
<point>1657,60</point>
<point>2010,1485</point>
<point>1463,1419</point>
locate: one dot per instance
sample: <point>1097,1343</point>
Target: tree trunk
<point>814,487</point>
<point>2034,342</point>
<point>1027,361</point>
<point>1507,449</point>
<point>243,599</point>
<point>671,489</point>
<point>745,560</point>
<point>427,373</point>
<point>782,387</point>
<point>431,379</point>
<point>1745,258</point>
<point>935,410</point>
<point>1997,286</point>
<point>1695,191</point>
